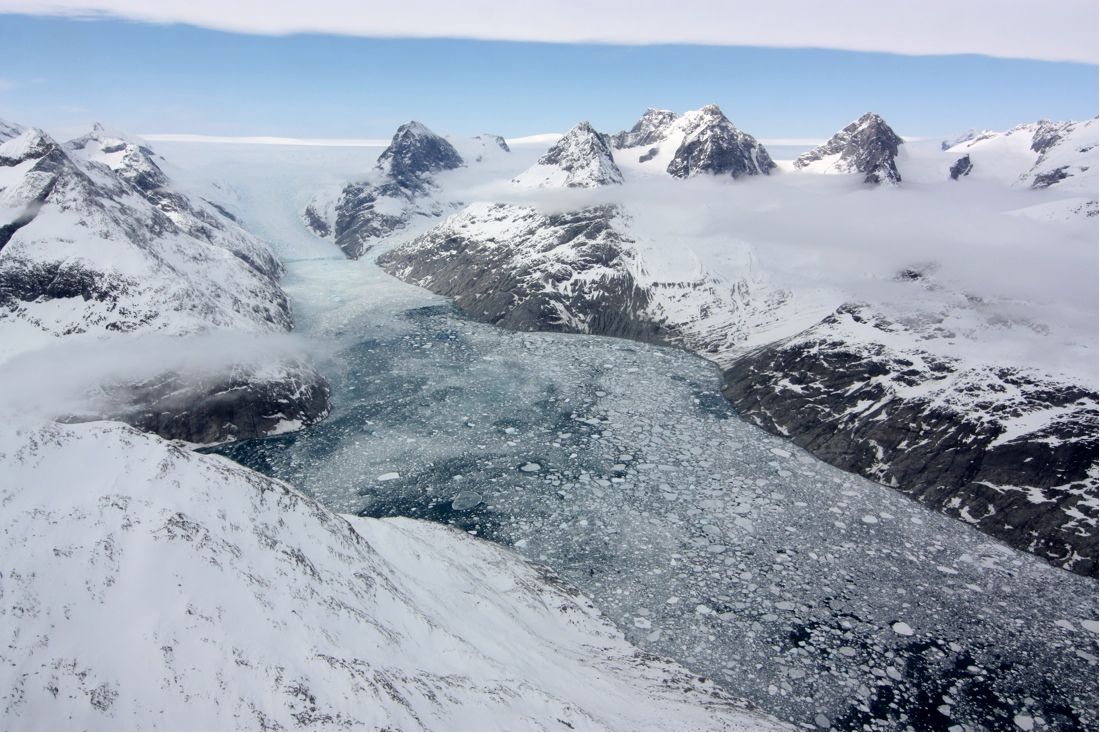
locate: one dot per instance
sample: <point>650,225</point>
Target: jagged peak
<point>867,145</point>
<point>415,152</point>
<point>582,158</point>
<point>650,128</point>
<point>713,144</point>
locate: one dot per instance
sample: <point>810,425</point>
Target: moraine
<point>825,598</point>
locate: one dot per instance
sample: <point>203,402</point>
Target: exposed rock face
<point>401,190</point>
<point>961,167</point>
<point>560,272</point>
<point>244,404</point>
<point>155,587</point>
<point>99,242</point>
<point>1009,451</point>
<point>711,144</point>
<point>651,128</point>
<point>414,154</point>
<point>581,159</point>
<point>867,146</point>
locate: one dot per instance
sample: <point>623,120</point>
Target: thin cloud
<point>1031,29</point>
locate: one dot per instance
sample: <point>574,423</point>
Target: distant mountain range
<point>1008,448</point>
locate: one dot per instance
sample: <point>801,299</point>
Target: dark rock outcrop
<point>867,146</point>
<point>529,285</point>
<point>961,167</point>
<point>713,145</point>
<point>216,410</point>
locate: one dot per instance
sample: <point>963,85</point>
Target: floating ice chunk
<point>642,623</point>
<point>1024,722</point>
<point>391,476</point>
<point>530,468</point>
<point>785,606</point>
<point>869,519</point>
<point>902,629</point>
<point>847,651</point>
<point>1090,625</point>
<point>465,500</point>
<point>781,453</point>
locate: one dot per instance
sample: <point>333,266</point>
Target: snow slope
<point>146,586</point>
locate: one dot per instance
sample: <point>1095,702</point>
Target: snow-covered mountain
<point>699,141</point>
<point>866,385</point>
<point>581,159</point>
<point>1040,155</point>
<point>866,147</point>
<point>1009,450</point>
<point>147,586</point>
<point>400,189</point>
<point>650,129</point>
<point>95,242</point>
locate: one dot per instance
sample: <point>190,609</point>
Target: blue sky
<point>62,74</point>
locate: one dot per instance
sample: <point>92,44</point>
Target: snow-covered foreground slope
<point>973,355</point>
<point>99,248</point>
<point>146,586</point>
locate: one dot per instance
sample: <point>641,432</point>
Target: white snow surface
<point>177,266</point>
<point>147,586</point>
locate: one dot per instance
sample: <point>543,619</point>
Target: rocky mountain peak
<point>651,128</point>
<point>712,144</point>
<point>580,159</point>
<point>868,146</point>
<point>415,152</point>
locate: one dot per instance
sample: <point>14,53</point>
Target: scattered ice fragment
<point>392,475</point>
<point>465,500</point>
<point>1024,722</point>
<point>902,629</point>
<point>847,651</point>
<point>530,467</point>
<point>821,721</point>
<point>785,606</point>
<point>869,519</point>
<point>1090,625</point>
<point>781,453</point>
<point>642,623</point>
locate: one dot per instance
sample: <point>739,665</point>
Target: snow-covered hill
<point>96,243</point>
<point>870,325</point>
<point>146,586</point>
